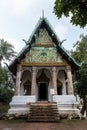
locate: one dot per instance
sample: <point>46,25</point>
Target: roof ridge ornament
<point>43,13</point>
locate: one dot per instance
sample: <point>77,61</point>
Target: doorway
<point>27,88</point>
<point>43,91</point>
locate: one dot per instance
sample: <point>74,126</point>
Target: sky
<point>18,19</point>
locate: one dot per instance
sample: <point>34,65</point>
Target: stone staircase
<point>43,112</point>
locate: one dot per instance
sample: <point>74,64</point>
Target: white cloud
<point>17,7</point>
<point>61,30</point>
<point>20,7</point>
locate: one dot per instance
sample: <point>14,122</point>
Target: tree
<point>77,9</point>
<point>6,51</point>
<point>6,83</point>
<point>6,79</point>
<point>3,76</point>
<point>80,54</point>
<point>5,95</point>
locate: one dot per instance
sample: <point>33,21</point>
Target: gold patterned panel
<point>44,50</point>
<point>43,39</point>
<point>43,55</point>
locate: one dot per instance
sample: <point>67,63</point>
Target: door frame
<point>46,91</point>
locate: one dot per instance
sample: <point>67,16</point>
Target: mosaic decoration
<point>43,54</point>
<point>43,38</point>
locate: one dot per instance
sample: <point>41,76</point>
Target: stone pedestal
<point>67,105</point>
<point>19,105</point>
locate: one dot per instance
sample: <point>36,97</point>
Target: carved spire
<point>42,13</point>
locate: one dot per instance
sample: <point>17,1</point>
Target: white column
<point>54,78</point>
<point>33,86</point>
<point>64,88</point>
<point>69,80</point>
<point>18,80</point>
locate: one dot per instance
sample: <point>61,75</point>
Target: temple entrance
<point>59,87</point>
<point>27,88</point>
<point>43,91</point>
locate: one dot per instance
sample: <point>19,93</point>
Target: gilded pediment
<point>43,50</point>
<point>43,55</point>
<point>43,38</point>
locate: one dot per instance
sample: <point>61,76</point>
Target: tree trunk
<point>0,64</point>
<point>0,60</point>
<point>86,108</point>
<point>83,108</point>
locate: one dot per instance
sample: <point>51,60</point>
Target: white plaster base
<point>18,105</point>
<point>66,104</point>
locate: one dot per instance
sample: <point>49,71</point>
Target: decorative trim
<point>44,45</point>
<point>44,64</point>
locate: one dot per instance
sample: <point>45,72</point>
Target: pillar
<point>33,86</point>
<point>64,88</point>
<point>18,80</point>
<point>69,80</point>
<point>54,78</point>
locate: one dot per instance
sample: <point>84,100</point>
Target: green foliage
<point>6,86</point>
<point>5,95</point>
<point>3,76</point>
<point>6,80</point>
<point>80,54</point>
<point>82,81</point>
<point>86,97</point>
<point>77,8</point>
<point>3,108</point>
<point>6,51</point>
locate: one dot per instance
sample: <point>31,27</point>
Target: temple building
<point>44,73</point>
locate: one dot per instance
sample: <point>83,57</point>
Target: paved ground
<point>63,125</point>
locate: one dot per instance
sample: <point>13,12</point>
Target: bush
<point>5,95</point>
<point>3,108</point>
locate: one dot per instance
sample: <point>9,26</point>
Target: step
<point>34,107</point>
<point>43,112</point>
<point>43,120</point>
<point>42,115</point>
<point>33,110</point>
